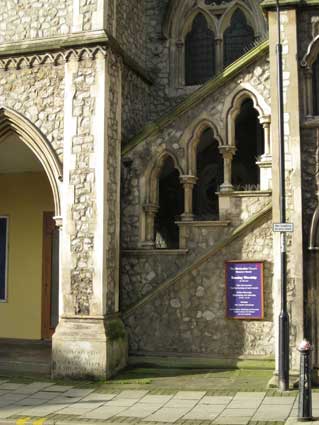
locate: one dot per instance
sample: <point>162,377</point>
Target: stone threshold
<point>204,223</point>
<point>142,252</point>
<point>246,193</point>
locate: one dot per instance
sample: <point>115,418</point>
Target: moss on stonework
<point>115,330</point>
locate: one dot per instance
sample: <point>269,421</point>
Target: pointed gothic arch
<point>36,141</point>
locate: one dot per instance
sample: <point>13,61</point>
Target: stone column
<point>150,213</point>
<point>289,35</point>
<point>309,94</point>
<point>219,55</point>
<point>179,69</point>
<point>228,153</point>
<point>188,183</point>
<point>90,340</point>
<point>265,162</point>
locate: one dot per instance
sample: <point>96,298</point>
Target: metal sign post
<point>283,317</point>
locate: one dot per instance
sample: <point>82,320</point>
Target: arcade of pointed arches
<point>212,167</point>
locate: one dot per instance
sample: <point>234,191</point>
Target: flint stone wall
<point>38,94</point>
<point>188,317</point>
<point>130,28</point>
<point>82,178</point>
<point>29,19</point>
<point>135,104</point>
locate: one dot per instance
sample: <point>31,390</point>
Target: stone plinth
<point>89,348</point>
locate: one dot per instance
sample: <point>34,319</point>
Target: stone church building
<point>139,158</point>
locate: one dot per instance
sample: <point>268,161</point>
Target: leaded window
<point>315,86</point>
<point>238,37</point>
<point>199,52</point>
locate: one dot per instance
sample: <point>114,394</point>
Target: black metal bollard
<point>305,396</point>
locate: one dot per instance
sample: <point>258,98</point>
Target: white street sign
<point>283,227</point>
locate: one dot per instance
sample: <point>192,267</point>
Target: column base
<point>187,217</point>
<point>226,187</point>
<point>89,348</point>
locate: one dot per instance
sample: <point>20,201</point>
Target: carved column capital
<point>265,120</point>
<point>227,151</point>
<point>188,179</point>
<point>150,209</point>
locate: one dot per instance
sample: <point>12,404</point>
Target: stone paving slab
<point>252,395</point>
<point>33,388</point>
<point>63,400</point>
<point>88,404</point>
<point>30,402</point>
<point>140,411</point>
<point>189,395</point>
<point>104,412</point>
<point>74,410</point>
<point>58,388</point>
<point>238,412</point>
<point>279,400</point>
<point>167,414</point>
<point>216,400</point>
<point>10,386</point>
<point>240,420</point>
<point>158,399</point>
<point>272,413</point>
<point>176,403</point>
<point>245,403</point>
<point>78,392</point>
<point>122,402</point>
<point>10,411</point>
<point>44,395</point>
<point>99,397</point>
<point>134,394</point>
<point>13,397</point>
<point>204,412</point>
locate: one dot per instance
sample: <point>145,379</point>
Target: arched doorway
<point>210,172</point>
<point>29,238</point>
<point>249,139</point>
<point>171,203</point>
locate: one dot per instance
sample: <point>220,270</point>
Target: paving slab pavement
<point>46,403</point>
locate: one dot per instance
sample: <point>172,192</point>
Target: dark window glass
<point>315,86</point>
<point>3,256</point>
<point>199,52</point>
<point>238,38</point>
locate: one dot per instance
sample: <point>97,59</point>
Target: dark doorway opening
<point>210,173</point>
<point>171,206</point>
<point>249,138</point>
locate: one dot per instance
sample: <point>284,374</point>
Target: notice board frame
<point>262,314</point>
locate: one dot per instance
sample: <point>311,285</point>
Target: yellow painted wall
<point>24,198</point>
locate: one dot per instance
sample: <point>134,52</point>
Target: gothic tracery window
<point>238,37</point>
<point>199,52</point>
